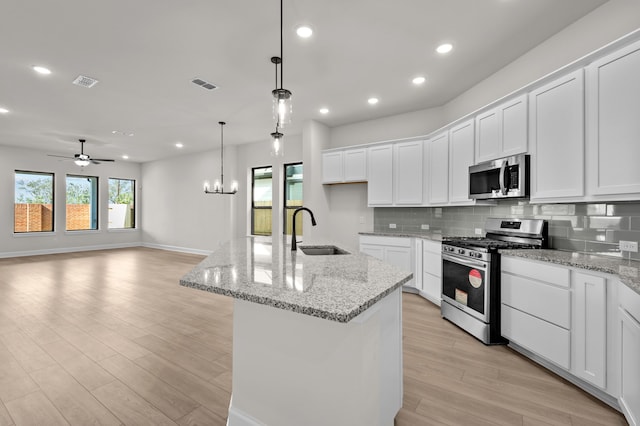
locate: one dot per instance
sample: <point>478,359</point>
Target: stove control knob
<point>460,251</point>
<point>475,254</point>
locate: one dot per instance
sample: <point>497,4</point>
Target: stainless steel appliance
<point>503,178</point>
<point>471,273</point>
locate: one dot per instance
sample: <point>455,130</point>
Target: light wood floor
<point>109,337</point>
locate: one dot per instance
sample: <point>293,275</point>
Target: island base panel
<point>293,369</point>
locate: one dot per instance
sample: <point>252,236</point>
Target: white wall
<point>12,159</point>
<point>176,213</point>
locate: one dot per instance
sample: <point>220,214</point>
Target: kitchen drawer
<point>432,246</point>
<point>540,271</point>
<point>432,263</point>
<point>545,339</point>
<point>630,301</point>
<point>385,241</point>
<point>541,300</point>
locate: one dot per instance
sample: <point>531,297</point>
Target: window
<point>261,200</point>
<point>292,196</point>
<point>122,203</point>
<point>82,203</point>
<point>33,202</point>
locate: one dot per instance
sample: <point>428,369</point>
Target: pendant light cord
<point>221,155</point>
<point>281,57</point>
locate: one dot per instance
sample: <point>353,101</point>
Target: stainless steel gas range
<point>471,274</point>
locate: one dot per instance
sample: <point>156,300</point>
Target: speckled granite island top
<point>627,270</point>
<point>265,271</point>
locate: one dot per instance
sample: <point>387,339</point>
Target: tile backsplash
<point>584,227</point>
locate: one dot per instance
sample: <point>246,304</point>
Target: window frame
<point>134,221</point>
<point>53,200</point>
<point>284,195</point>
<point>253,206</point>
<point>94,209</point>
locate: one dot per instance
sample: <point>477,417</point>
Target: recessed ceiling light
<point>3,110</point>
<point>444,48</point>
<point>304,31</point>
<point>418,80</point>
<point>41,70</point>
<point>126,157</point>
<point>324,110</point>
<point>372,101</point>
<point>179,145</point>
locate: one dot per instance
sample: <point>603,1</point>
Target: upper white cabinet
<point>613,106</point>
<point>407,168</point>
<point>502,131</point>
<point>461,149</point>
<point>380,188</point>
<point>557,138</point>
<point>343,166</point>
<point>437,161</point>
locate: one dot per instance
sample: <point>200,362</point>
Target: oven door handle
<point>466,262</point>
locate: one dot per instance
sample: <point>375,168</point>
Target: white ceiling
<point>146,52</point>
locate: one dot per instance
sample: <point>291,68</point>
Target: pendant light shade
<point>277,143</point>
<point>218,186</point>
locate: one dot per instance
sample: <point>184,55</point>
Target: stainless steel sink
<point>322,250</point>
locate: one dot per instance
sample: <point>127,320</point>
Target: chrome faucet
<point>294,245</point>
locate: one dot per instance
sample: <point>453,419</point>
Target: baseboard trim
<point>59,250</point>
<point>176,248</point>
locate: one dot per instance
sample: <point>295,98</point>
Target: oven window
<point>464,284</point>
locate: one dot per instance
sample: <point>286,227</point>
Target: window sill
<point>117,230</point>
<point>82,232</point>
<point>34,234</point>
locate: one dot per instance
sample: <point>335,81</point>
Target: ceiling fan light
<point>82,162</point>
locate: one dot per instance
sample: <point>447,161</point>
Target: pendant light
<point>282,107</point>
<point>218,186</point>
<point>277,144</point>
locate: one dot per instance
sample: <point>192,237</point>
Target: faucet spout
<point>294,243</point>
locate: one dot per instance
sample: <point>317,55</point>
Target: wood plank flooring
<point>110,338</point>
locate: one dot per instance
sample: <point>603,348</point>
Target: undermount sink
<point>322,250</point>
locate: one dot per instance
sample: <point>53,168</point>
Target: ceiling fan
<point>83,159</point>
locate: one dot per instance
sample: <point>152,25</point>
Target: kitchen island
<point>316,339</point>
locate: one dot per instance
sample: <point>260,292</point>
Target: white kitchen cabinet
<point>332,167</point>
<point>613,132</point>
<point>629,348</point>
<point>380,166</point>
<point>557,138</point>
<point>344,166</point>
<point>589,331</point>
<point>502,131</point>
<point>397,251</point>
<point>536,301</point>
<point>355,165</point>
<point>407,167</point>
<point>438,168</point>
<point>461,156</point>
<point>431,287</point>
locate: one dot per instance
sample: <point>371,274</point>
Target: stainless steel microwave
<point>502,178</point>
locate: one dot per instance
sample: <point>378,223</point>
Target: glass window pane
<point>121,203</point>
<point>82,203</point>
<point>292,196</point>
<point>33,202</point>
<point>262,200</point>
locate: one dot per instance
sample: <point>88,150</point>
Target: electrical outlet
<point>424,227</point>
<point>631,246</point>
<point>478,231</point>
<point>392,226</point>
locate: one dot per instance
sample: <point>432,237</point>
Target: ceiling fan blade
<point>61,156</point>
<point>102,160</point>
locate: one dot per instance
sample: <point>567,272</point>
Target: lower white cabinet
<point>629,348</point>
<point>431,286</point>
<point>397,251</point>
<point>590,328</point>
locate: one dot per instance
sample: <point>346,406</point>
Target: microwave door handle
<point>503,169</point>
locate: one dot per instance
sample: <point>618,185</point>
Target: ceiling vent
<point>205,84</point>
<point>84,81</point>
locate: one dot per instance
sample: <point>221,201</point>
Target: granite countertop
<point>433,236</point>
<point>264,270</point>
<point>627,270</point>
